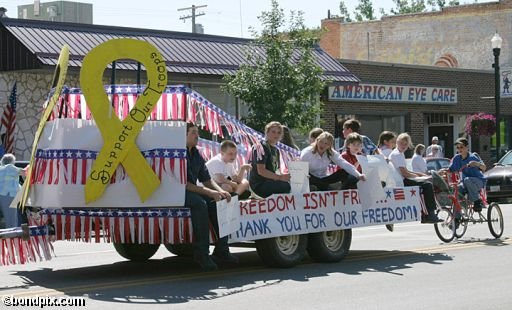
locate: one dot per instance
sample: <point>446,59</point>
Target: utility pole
<point>193,15</point>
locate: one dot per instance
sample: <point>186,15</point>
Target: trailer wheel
<point>182,250</point>
<point>329,246</point>
<point>282,252</point>
<point>136,252</point>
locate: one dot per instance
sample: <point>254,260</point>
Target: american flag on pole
<point>9,122</point>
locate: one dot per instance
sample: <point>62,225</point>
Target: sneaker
<point>390,227</point>
<point>478,206</point>
<point>206,263</point>
<point>224,258</point>
<point>430,219</point>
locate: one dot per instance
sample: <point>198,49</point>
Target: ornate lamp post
<point>496,48</point>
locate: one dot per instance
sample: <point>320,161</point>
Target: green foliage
<point>281,81</point>
<point>439,4</point>
<point>364,11</point>
<point>344,12</point>
<point>408,7</point>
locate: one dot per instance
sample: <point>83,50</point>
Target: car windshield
<point>507,159</point>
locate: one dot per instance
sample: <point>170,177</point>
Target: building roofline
<point>421,14</point>
<point>408,66</point>
<point>119,30</point>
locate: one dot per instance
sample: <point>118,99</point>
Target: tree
<point>344,12</point>
<point>440,4</point>
<point>407,7</point>
<point>280,80</point>
<point>364,11</point>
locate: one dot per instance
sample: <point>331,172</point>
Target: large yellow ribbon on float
<point>59,76</point>
<point>119,136</point>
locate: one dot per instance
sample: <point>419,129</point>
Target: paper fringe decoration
<point>153,226</point>
<point>15,250</point>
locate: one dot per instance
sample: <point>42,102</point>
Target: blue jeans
<point>472,187</point>
<point>203,210</point>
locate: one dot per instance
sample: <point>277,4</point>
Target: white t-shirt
<point>216,166</point>
<point>419,164</point>
<point>318,165</point>
<point>384,150</point>
<point>398,160</point>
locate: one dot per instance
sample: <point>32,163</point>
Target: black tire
<point>445,230</point>
<point>136,252</point>
<point>495,220</point>
<point>461,229</point>
<point>282,252</point>
<point>182,250</point>
<point>329,246</point>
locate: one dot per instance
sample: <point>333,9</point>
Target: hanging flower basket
<point>480,124</point>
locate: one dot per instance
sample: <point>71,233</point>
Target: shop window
<point>439,118</point>
<point>372,125</point>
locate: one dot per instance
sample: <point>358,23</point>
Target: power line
<point>193,15</point>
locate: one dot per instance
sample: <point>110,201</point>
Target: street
<point>409,268</point>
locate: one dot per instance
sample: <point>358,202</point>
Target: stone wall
<point>456,37</point>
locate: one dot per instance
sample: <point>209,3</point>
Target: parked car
<point>499,179</point>
<point>436,163</point>
<point>433,163</point>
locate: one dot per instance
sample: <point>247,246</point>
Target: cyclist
<point>472,168</point>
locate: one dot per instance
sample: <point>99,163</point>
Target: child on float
<point>387,142</point>
<point>313,134</point>
<point>223,172</point>
<point>266,178</point>
<point>353,125</point>
<point>397,158</point>
<point>353,147</point>
<point>418,162</point>
<point>320,155</point>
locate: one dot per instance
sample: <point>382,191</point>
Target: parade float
<point>109,165</point>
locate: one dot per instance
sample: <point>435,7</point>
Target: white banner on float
<point>293,214</point>
<point>66,153</point>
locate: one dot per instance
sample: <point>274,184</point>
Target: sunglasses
<point>459,147</point>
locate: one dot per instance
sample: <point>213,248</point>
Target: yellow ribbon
<point>59,77</point>
<point>119,136</point>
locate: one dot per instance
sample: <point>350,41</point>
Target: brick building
<point>422,100</point>
<point>458,36</point>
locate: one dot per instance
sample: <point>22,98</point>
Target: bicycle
<point>457,212</point>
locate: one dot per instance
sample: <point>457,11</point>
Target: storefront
<point>423,101</point>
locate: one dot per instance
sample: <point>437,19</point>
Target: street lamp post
<point>496,48</point>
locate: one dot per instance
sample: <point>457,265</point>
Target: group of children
<point>265,176</point>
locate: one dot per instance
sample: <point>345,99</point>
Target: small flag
<point>9,122</point>
<point>399,193</point>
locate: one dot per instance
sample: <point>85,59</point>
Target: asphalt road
<point>407,269</point>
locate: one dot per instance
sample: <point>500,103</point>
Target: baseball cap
<point>462,141</point>
<point>435,138</point>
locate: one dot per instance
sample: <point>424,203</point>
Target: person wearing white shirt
<point>223,172</point>
<point>419,164</point>
<point>397,158</point>
<point>387,142</point>
<point>319,155</point>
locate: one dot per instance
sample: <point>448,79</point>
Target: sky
<point>222,17</point>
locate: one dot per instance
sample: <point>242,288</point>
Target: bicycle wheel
<point>495,220</point>
<point>445,230</point>
<point>462,226</point>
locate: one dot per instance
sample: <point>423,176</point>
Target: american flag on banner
<point>9,122</point>
<point>399,193</point>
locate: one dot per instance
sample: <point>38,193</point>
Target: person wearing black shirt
<point>202,203</point>
<point>266,178</point>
